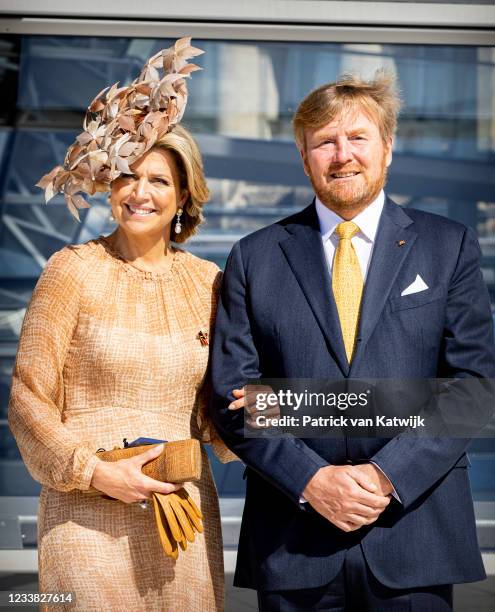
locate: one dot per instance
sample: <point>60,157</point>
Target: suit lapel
<point>304,252</point>
<point>393,242</point>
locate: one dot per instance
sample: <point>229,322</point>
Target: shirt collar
<point>367,220</point>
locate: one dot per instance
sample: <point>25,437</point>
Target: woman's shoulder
<point>203,268</point>
<point>72,260</point>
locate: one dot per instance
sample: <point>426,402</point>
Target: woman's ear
<point>184,196</point>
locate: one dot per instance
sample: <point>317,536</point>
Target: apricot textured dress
<point>108,352</point>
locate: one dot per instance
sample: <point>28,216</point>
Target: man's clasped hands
<point>349,496</point>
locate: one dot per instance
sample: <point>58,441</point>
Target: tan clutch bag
<point>180,460</point>
<point>177,516</point>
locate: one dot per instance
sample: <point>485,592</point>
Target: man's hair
<point>187,156</point>
<point>378,98</point>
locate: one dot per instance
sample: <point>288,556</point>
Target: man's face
<point>346,161</point>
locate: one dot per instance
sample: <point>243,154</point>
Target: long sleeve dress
<point>108,351</point>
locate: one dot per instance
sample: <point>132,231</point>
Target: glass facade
<point>240,111</point>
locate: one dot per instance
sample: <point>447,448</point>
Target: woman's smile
<point>139,211</point>
<point>145,202</point>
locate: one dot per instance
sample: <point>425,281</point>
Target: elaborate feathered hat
<point>121,125</point>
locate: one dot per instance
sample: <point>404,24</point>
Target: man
<point>353,286</point>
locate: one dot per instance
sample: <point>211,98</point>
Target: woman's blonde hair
<point>191,175</point>
<point>378,98</point>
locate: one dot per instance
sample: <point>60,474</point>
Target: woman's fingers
<point>125,481</point>
<point>150,485</point>
<point>148,455</point>
<point>247,398</point>
<point>239,401</point>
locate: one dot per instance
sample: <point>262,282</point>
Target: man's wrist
<point>386,479</point>
<point>308,491</point>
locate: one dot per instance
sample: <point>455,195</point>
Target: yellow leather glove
<point>177,519</point>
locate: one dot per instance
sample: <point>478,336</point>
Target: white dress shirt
<point>363,243</point>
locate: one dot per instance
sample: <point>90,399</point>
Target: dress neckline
<point>132,270</point>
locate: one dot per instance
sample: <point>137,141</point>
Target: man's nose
<point>342,151</point>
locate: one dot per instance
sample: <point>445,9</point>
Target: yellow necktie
<point>347,284</point>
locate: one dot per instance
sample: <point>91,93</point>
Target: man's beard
<point>351,198</point>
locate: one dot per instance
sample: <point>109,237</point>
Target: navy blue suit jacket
<point>277,318</point>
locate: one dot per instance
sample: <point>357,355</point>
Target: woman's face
<point>146,201</point>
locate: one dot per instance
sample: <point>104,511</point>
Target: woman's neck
<point>146,253</point>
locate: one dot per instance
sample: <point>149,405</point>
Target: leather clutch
<point>177,516</point>
<point>179,462</point>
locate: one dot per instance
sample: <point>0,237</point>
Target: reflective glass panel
<point>240,110</point>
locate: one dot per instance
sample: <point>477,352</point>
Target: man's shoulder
<point>273,233</point>
<point>434,222</point>
<point>425,223</point>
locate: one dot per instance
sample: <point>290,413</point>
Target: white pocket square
<point>416,286</point>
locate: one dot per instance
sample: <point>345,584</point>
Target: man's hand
<point>346,497</point>
<point>376,476</point>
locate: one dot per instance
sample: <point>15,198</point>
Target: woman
<point>113,346</point>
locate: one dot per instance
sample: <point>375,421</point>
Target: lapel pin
<point>203,338</point>
<point>401,243</point>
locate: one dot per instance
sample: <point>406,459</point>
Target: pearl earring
<point>178,226</point>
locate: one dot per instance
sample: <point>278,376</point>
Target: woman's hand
<point>249,399</point>
<point>124,479</point>
<point>239,399</point>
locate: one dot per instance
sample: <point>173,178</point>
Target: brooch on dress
<point>203,337</point>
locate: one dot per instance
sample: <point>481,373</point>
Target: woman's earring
<point>178,226</point>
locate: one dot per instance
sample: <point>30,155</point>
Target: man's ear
<point>388,151</point>
<point>303,155</point>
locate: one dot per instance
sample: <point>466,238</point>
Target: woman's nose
<point>140,191</point>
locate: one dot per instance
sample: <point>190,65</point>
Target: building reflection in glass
<point>240,109</point>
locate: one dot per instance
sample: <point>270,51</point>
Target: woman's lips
<point>139,211</point>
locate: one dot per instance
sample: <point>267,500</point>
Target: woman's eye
<point>161,181</point>
<point>127,176</point>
